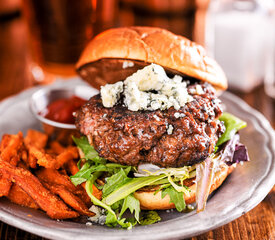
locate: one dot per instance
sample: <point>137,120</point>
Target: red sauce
<point>62,110</point>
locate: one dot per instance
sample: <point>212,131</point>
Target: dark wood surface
<point>259,223</point>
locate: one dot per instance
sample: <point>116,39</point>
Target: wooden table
<point>259,223</point>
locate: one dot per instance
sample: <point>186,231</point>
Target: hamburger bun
<point>103,59</point>
<point>150,201</point>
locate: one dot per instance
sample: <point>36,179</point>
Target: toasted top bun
<point>103,60</point>
<point>150,201</point>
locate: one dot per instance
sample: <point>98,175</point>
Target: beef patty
<point>170,138</point>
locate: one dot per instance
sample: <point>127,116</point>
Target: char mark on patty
<point>170,138</point>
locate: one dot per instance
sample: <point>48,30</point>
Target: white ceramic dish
<point>243,190</point>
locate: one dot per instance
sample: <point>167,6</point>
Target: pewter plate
<point>243,190</point>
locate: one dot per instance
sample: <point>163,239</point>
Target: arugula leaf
<point>85,172</point>
<point>132,220</point>
<point>149,217</point>
<point>117,205</point>
<point>77,180</point>
<point>98,186</point>
<point>232,125</point>
<point>79,163</point>
<point>88,150</point>
<point>115,181</point>
<point>123,223</point>
<point>111,219</point>
<point>115,165</point>
<point>163,186</point>
<point>133,204</point>
<point>82,175</point>
<point>175,197</point>
<point>130,187</point>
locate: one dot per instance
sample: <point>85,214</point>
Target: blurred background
<point>41,41</point>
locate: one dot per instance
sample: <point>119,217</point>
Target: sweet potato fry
<point>56,147</point>
<point>18,196</point>
<point>63,158</point>
<point>5,142</point>
<point>10,148</point>
<point>69,198</point>
<point>22,164</point>
<point>43,159</point>
<point>5,186</point>
<point>74,151</point>
<point>36,138</point>
<point>49,161</point>
<point>10,151</point>
<point>54,177</point>
<point>24,155</point>
<point>72,167</point>
<point>81,193</point>
<point>96,192</point>
<point>32,161</point>
<point>47,201</point>
<point>69,154</point>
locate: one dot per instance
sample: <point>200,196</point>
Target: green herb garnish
<point>175,197</point>
<point>150,217</point>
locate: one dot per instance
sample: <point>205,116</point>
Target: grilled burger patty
<point>170,138</point>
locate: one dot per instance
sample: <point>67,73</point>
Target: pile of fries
<point>34,172</point>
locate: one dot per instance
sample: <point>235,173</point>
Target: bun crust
<point>149,201</point>
<point>105,54</point>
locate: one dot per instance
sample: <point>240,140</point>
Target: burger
<point>156,136</point>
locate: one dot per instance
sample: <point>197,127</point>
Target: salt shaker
<point>237,36</point>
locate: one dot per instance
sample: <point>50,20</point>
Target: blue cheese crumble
<point>170,129</point>
<point>147,89</point>
<point>99,218</point>
<point>110,94</point>
<point>179,115</point>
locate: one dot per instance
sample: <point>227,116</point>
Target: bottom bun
<point>150,201</point>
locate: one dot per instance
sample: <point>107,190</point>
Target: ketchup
<point>62,110</point>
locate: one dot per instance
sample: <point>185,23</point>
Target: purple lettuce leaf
<point>233,151</point>
<point>240,154</point>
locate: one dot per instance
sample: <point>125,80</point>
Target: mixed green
<point>120,182</point>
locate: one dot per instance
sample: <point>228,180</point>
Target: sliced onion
<point>204,176</point>
<point>147,169</point>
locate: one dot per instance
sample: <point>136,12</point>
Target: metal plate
<point>244,188</point>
